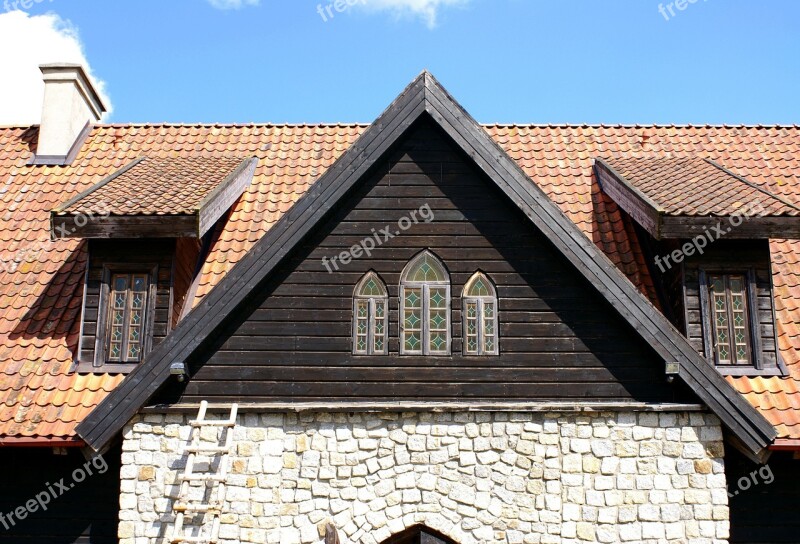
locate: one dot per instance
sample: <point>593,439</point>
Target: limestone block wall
<point>477,477</point>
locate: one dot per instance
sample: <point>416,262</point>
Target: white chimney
<point>71,105</point>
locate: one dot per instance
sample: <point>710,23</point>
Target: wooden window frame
<point>425,287</point>
<point>480,301</point>
<point>709,333</point>
<point>101,361</point>
<point>371,318</point>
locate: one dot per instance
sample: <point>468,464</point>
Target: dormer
<point>705,232</point>
<point>147,227</point>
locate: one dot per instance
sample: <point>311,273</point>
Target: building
<point>434,330</point>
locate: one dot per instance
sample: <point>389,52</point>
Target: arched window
<point>425,307</point>
<point>370,316</point>
<point>480,316</point>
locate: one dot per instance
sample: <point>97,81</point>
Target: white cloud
<point>425,9</point>
<point>232,4</point>
<point>27,41</point>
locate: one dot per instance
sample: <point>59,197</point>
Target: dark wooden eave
<point>96,224</point>
<point>425,96</point>
<point>661,225</point>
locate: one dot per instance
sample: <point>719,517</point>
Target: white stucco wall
<point>477,477</point>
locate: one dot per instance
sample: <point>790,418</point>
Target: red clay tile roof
<point>41,282</point>
<point>155,186</point>
<point>695,186</point>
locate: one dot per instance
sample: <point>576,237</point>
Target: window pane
<point>362,325</point>
<point>479,288</point>
<point>373,287</point>
<point>412,319</point>
<point>488,327</point>
<point>719,304</point>
<point>472,327</point>
<point>739,319</point>
<point>128,304</point>
<point>437,319</point>
<point>427,269</point>
<point>379,330</point>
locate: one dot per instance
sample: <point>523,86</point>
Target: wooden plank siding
<point>739,255</point>
<point>150,253</point>
<point>87,513</point>
<point>764,512</point>
<point>558,338</point>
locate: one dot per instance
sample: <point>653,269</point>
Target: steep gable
<point>559,339</point>
<point>425,96</point>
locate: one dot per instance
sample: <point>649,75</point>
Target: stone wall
<point>474,476</point>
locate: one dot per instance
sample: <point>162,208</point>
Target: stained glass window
<point>480,316</point>
<point>425,307</point>
<point>127,313</point>
<point>729,318</point>
<point>370,316</point>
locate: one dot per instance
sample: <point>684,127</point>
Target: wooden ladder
<point>190,480</point>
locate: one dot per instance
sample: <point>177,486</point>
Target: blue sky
<point>523,61</point>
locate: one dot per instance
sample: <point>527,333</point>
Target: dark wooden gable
<point>244,286</point>
<point>559,339</point>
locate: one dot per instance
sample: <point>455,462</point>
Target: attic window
<point>736,315</point>
<point>480,316</point>
<point>729,314</point>
<point>126,313</point>
<point>370,316</point>
<point>425,307</point>
<point>127,317</point>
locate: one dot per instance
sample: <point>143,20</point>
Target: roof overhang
<point>107,209</point>
<point>426,97</point>
<point>751,219</point>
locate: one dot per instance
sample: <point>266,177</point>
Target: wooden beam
<point>639,206</point>
<point>126,226</point>
<point>732,227</point>
<point>219,201</point>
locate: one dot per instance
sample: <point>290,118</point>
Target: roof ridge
<point>489,124</point>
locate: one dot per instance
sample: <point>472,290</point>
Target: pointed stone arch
<point>419,534</point>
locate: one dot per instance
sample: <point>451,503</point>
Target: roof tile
<point>41,280</point>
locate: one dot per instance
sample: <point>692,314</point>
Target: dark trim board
<point>424,96</point>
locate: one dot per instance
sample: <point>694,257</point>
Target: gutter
<point>32,442</point>
<point>785,444</point>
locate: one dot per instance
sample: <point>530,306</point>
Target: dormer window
<point>729,310</point>
<point>729,313</point>
<point>127,318</point>
<point>126,314</point>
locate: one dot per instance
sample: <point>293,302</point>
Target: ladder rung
<point>202,477</point>
<point>197,507</point>
<point>213,423</point>
<point>207,449</point>
<point>196,539</point>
